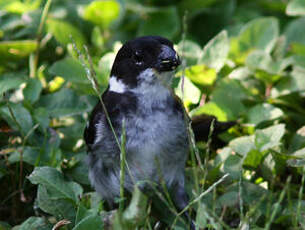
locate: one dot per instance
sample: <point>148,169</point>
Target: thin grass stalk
<point>277,204</point>
<point>34,61</point>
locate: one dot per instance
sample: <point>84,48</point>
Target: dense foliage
<point>242,60</point>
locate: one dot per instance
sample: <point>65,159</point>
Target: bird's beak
<point>168,60</point>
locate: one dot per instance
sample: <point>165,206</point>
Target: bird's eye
<point>138,58</point>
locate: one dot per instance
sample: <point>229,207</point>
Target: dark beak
<point>168,60</point>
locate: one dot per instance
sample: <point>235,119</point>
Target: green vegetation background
<point>242,60</point>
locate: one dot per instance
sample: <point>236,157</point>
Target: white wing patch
<point>116,85</point>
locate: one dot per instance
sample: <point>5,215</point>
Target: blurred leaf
<point>41,116</point>
<point>269,137</point>
<point>298,140</point>
<point>296,162</point>
<point>201,75</point>
<point>54,181</point>
<point>70,69</point>
<point>102,13</point>
<point>14,50</point>
<point>228,96</point>
<point>243,145</point>
<point>233,166</point>
<point>4,226</point>
<point>210,108</point>
<point>21,7</point>
<point>32,90</point>
<point>164,22</point>
<point>63,103</point>
<point>295,35</point>
<point>29,155</point>
<point>22,115</point>
<point>10,81</point>
<point>35,223</point>
<point>65,33</point>
<point>290,84</point>
<point>261,34</point>
<point>296,7</point>
<point>191,94</point>
<point>190,51</point>
<point>254,159</point>
<point>216,51</point>
<point>263,112</point>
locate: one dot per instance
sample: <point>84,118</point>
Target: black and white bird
<point>156,130</point>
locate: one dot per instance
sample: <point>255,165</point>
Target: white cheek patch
<point>116,85</point>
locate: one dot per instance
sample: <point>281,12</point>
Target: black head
<point>142,53</point>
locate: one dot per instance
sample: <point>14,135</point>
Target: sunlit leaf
<point>296,7</point>
<point>14,50</point>
<point>243,145</point>
<point>191,94</point>
<point>102,13</point>
<point>295,35</point>
<point>216,51</point>
<point>10,81</point>
<point>263,112</point>
<point>190,51</point>
<point>269,137</point>
<point>212,109</point>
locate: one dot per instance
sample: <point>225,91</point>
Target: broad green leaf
<point>32,90</point>
<point>253,159</point>
<point>14,50</point>
<point>21,7</point>
<point>261,34</point>
<point>298,140</point>
<point>296,162</point>
<point>242,145</point>
<point>63,103</point>
<point>201,75</point>
<point>228,96</point>
<point>29,155</point>
<point>165,22</point>
<point>22,115</point>
<point>296,7</point>
<point>102,13</point>
<point>10,81</point>
<point>263,112</point>
<point>89,222</point>
<point>189,51</point>
<point>49,202</point>
<point>299,153</point>
<point>70,69</point>
<point>212,109</point>
<point>216,51</point>
<point>65,33</point>
<point>55,183</point>
<point>290,84</point>
<point>35,223</point>
<point>41,117</point>
<point>269,137</point>
<point>233,166</point>
<point>295,34</point>
<point>191,94</point>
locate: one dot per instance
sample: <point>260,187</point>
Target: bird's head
<point>140,57</point>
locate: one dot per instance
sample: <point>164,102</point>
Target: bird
<point>139,97</point>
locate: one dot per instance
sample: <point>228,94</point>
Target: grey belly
<point>156,148</point>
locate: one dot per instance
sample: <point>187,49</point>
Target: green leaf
<point>212,109</point>
<point>32,90</point>
<point>22,115</point>
<point>35,223</point>
<point>14,50</point>
<point>69,69</point>
<point>89,222</point>
<point>201,75</point>
<point>295,34</point>
<point>29,155</point>
<point>261,34</point>
<point>21,7</point>
<point>296,7</point>
<point>63,103</point>
<point>102,13</point>
<point>298,140</point>
<point>263,112</point>
<point>10,81</point>
<point>191,94</point>
<point>233,166</point>
<point>4,226</point>
<point>54,181</point>
<point>290,84</point>
<point>49,202</point>
<point>254,159</point>
<point>165,22</point>
<point>228,96</point>
<point>65,32</point>
<point>216,51</point>
<point>269,137</point>
<point>190,51</point>
<point>243,145</point>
